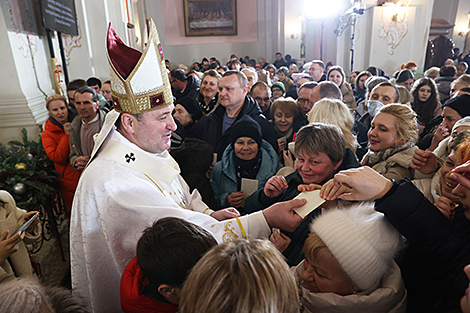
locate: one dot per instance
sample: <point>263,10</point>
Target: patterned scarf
<point>373,158</point>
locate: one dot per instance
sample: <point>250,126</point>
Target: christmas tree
<point>26,172</point>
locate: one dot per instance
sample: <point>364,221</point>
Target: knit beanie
<point>278,84</point>
<point>246,127</point>
<point>192,106</point>
<point>404,76</point>
<point>462,122</point>
<point>461,104</point>
<point>361,239</point>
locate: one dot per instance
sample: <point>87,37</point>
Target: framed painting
<point>210,17</point>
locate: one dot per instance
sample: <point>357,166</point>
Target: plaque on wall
<point>210,17</point>
<point>59,15</point>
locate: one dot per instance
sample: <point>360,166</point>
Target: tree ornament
<point>30,156</point>
<point>21,166</point>
<point>19,189</point>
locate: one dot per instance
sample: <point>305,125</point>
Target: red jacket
<point>133,300</point>
<point>56,144</point>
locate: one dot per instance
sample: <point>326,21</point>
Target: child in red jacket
<point>166,253</point>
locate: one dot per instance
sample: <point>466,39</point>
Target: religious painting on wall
<point>210,17</point>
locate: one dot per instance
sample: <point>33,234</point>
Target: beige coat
<point>348,96</point>
<point>396,166</point>
<point>10,219</point>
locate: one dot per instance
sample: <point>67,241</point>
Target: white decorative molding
<point>393,26</point>
<point>71,42</point>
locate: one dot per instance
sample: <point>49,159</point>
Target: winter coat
<point>18,264</point>
<point>194,159</point>
<point>437,250</point>
<point>74,139</point>
<point>397,166</point>
<point>224,179</point>
<point>443,86</point>
<point>259,201</point>
<point>209,128</point>
<point>348,95</point>
<point>191,89</point>
<point>56,144</point>
<point>389,297</point>
<point>133,300</point>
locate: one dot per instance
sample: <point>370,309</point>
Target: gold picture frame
<point>210,17</point>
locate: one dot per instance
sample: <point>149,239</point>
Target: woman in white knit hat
<point>349,264</point>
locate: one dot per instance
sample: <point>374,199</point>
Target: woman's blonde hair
<point>53,98</point>
<point>240,276</point>
<point>334,112</point>
<point>407,126</point>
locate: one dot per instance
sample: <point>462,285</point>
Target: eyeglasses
<point>258,99</point>
<point>302,101</point>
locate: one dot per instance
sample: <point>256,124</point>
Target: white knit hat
<point>361,239</point>
<point>462,122</point>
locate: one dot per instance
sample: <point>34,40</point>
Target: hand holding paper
<point>313,202</point>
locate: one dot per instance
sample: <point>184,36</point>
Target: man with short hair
<point>234,104</point>
<point>262,95</point>
<point>325,89</point>
<point>132,181</point>
<point>95,83</point>
<point>251,75</point>
<point>443,82</point>
<point>84,126</point>
<point>71,88</point>
<point>317,71</point>
<point>293,92</point>
<point>304,102</point>
<point>279,60</point>
<point>183,86</point>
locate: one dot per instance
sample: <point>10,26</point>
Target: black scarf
<point>246,168</point>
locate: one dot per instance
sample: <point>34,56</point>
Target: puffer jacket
<point>56,144</point>
<point>224,179</point>
<point>209,128</point>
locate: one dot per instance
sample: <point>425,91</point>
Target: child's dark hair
<point>169,249</point>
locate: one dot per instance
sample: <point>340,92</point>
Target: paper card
<point>313,202</point>
<point>214,158</point>
<point>249,186</point>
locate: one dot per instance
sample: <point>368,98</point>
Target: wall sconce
<point>464,30</point>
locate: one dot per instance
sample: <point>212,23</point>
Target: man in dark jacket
<point>182,86</point>
<point>215,128</point>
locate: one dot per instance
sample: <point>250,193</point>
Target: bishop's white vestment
<point>120,193</point>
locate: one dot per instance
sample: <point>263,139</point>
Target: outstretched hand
<point>282,215</point>
<point>225,214</point>
<point>357,184</point>
<point>424,161</point>
<point>275,186</point>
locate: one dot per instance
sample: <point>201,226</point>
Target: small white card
<point>249,186</point>
<point>313,202</point>
<point>214,158</point>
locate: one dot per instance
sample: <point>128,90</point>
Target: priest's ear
<point>172,294</point>
<point>128,122</point>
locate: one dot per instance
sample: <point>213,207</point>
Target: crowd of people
<point>182,197</point>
